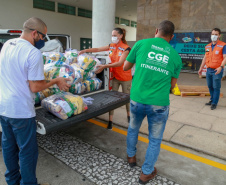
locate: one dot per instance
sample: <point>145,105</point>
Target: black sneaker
<point>109,125</point>
<point>209,103</point>
<point>213,106</point>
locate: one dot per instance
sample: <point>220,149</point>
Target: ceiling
<point>126,9</point>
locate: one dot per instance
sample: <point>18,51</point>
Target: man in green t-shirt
<point>158,66</point>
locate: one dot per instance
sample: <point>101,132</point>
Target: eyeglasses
<point>43,35</point>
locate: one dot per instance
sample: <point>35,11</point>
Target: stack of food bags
<point>59,69</point>
<point>54,70</point>
<point>86,67</point>
<point>64,105</point>
<point>80,69</point>
<point>87,63</point>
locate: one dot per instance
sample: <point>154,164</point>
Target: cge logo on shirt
<point>159,57</point>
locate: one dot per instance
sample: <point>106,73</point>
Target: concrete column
<point>103,22</point>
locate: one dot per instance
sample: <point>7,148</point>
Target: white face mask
<point>214,38</point>
<point>115,40</point>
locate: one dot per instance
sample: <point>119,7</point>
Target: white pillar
<point>103,22</point>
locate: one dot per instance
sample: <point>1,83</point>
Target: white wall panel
<point>13,13</point>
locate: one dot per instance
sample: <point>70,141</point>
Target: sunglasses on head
<point>43,35</point>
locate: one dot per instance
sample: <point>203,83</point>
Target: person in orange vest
<point>118,51</point>
<point>215,60</point>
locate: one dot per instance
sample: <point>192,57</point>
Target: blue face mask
<point>40,44</point>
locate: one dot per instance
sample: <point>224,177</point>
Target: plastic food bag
<point>97,83</point>
<point>91,74</point>
<point>90,85</point>
<point>96,66</point>
<point>45,56</point>
<point>59,69</point>
<point>50,91</point>
<point>39,96</point>
<point>44,59</point>
<point>51,57</point>
<point>71,56</point>
<point>78,102</point>
<point>57,56</point>
<point>79,72</point>
<point>86,62</point>
<point>78,77</point>
<point>84,73</point>
<point>77,88</point>
<point>64,105</point>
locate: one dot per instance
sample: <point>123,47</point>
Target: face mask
<point>115,40</point>
<point>214,38</point>
<point>39,44</point>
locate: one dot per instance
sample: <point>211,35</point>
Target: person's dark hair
<point>217,29</point>
<point>122,32</point>
<point>166,28</point>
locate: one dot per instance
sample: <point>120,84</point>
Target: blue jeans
<point>157,117</point>
<point>214,84</point>
<point>20,150</point>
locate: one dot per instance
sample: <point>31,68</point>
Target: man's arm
<point>202,65</point>
<point>218,70</point>
<point>173,82</point>
<point>127,65</point>
<point>37,86</point>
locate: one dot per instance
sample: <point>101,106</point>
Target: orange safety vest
<point>115,52</point>
<point>214,57</point>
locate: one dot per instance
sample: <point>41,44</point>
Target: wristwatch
<point>222,67</point>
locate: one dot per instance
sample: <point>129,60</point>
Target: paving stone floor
<point>97,165</point>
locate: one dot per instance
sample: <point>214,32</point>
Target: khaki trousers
<point>126,86</point>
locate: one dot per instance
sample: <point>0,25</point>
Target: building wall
<point>130,32</point>
<point>13,13</point>
<point>187,15</point>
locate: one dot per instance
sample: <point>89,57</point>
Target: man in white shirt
<point>22,75</point>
